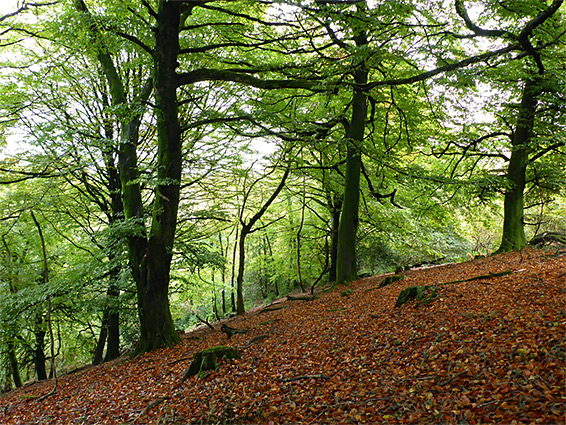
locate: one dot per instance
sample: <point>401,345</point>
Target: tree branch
<point>25,6</point>
<point>463,13</point>
<point>206,74</point>
<point>528,30</point>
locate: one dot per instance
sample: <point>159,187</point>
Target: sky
<point>7,6</point>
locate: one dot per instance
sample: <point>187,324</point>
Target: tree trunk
<point>223,272</point>
<point>99,350</point>
<point>116,215</point>
<point>346,267</point>
<point>45,280</point>
<point>241,265</point>
<point>150,258</point>
<point>157,328</point>
<point>110,327</point>
<point>232,292</point>
<point>336,210</point>
<point>299,232</point>
<point>513,221</point>
<point>113,347</point>
<point>14,369</point>
<point>270,254</point>
<point>246,229</point>
<point>12,366</point>
<point>39,349</point>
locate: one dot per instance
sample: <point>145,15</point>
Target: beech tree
<point>346,269</point>
<point>321,76</point>
<point>522,134</point>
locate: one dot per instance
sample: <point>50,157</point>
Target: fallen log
<point>256,339</point>
<point>299,378</point>
<point>485,276</point>
<point>426,294</point>
<point>301,298</point>
<point>272,308</point>
<point>548,238</point>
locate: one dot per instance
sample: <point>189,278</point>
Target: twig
<point>256,339</point>
<point>301,377</point>
<point>485,276</point>
<point>451,379</point>
<point>50,393</point>
<point>205,322</point>
<point>229,331</point>
<point>149,407</point>
<point>179,360</point>
<point>301,298</point>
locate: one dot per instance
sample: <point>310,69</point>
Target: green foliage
<point>425,145</point>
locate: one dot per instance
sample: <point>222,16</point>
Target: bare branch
<point>25,6</point>
<point>463,13</point>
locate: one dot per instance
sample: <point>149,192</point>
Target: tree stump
<point>408,294</point>
<point>206,359</point>
<point>423,295</point>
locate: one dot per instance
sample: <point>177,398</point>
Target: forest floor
<point>489,350</point>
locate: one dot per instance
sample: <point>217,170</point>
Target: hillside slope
<point>485,351</point>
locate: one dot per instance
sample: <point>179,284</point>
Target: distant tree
<point>247,227</point>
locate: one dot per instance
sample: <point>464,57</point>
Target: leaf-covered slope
<point>484,351</point>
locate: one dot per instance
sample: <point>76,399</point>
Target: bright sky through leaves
<point>8,6</point>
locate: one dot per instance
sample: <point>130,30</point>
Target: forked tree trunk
<point>247,229</point>
<point>157,328</point>
<point>513,221</point>
<point>150,257</point>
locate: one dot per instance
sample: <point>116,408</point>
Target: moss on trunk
<point>513,237</point>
